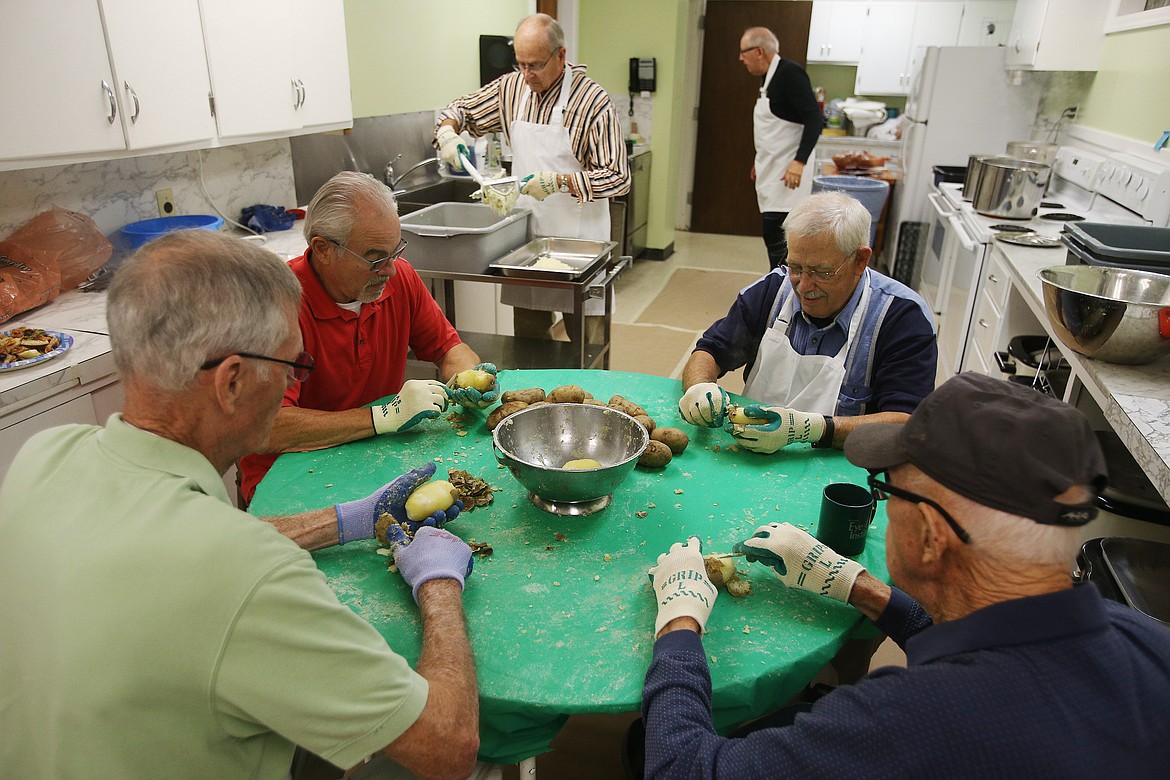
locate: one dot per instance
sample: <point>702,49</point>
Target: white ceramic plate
<point>66,342</point>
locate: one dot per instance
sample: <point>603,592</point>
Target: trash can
<point>871,192</point>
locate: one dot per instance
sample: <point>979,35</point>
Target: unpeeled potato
<point>503,411</point>
<point>655,456</point>
<point>528,395</point>
<point>674,438</point>
<point>566,394</point>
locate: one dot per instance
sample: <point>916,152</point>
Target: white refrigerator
<point>962,102</point>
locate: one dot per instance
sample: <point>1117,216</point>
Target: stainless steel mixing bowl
<point>535,443</point>
<point>1112,314</point>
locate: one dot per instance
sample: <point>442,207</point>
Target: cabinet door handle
<point>983,323</point>
<point>304,92</point>
<point>296,95</point>
<point>134,99</point>
<point>993,278</point>
<point>113,102</point>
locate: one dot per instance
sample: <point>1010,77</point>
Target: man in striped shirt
<point>567,149</point>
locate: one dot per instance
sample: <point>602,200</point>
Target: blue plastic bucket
<point>871,192</point>
<point>139,233</point>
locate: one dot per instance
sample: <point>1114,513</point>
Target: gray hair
<point>1006,539</point>
<point>762,37</point>
<point>192,296</point>
<point>832,212</point>
<point>554,34</point>
<point>333,210</point>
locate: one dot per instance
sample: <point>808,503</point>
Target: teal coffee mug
<point>846,512</point>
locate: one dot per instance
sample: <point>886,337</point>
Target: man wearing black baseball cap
<point>1012,670</point>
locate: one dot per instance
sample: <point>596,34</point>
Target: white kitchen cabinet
<point>1066,35</point>
<point>276,66</point>
<point>160,71</point>
<point>986,22</point>
<point>57,84</point>
<point>836,31</point>
<point>894,35</point>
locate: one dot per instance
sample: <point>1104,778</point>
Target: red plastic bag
<point>55,250</point>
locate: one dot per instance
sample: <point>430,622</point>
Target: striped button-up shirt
<point>595,132</point>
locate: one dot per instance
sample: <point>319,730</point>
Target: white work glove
<point>705,405</point>
<point>539,185</point>
<point>801,561</point>
<point>419,399</point>
<point>784,427</point>
<point>681,584</point>
<point>451,146</point>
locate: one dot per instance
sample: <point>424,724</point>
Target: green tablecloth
<point>556,628</point>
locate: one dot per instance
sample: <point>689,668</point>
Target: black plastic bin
<point>1140,247</point>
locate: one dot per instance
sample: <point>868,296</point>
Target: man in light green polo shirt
<point>151,629</point>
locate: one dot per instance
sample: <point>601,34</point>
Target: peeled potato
<point>672,437</point>
<point>474,377</point>
<point>430,497</point>
<point>736,415</point>
<point>582,463</point>
<point>720,570</point>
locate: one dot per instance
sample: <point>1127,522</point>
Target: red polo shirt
<point>359,357</point>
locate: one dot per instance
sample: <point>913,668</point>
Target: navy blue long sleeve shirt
<point>1055,686</point>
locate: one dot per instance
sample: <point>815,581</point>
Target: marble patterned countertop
<point>1135,400</point>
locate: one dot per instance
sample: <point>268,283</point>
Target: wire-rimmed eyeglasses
<point>374,265</point>
<point>299,368</point>
<point>883,490</point>
<point>530,68</point>
<point>816,274</point>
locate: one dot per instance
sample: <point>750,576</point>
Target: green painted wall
<point>609,33</point>
<point>1130,95</point>
<point>410,55</point>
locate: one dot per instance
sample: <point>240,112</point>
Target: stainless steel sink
<point>446,191</point>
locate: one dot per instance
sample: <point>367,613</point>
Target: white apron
<point>809,383</point>
<point>777,141</point>
<point>537,147</point>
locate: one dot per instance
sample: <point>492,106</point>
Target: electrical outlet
<point>166,203</point>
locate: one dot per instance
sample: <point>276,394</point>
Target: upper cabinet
<point>277,66</point>
<point>1065,35</point>
<point>986,22</point>
<point>894,37</point>
<point>135,77</point>
<point>836,31</point>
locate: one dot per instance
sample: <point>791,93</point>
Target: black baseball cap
<point>1000,444</point>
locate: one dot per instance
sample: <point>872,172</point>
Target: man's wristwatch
<point>826,440</point>
<point>562,183</point>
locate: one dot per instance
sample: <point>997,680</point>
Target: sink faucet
<point>389,173</point>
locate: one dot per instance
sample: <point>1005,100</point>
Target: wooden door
<point>724,198</point>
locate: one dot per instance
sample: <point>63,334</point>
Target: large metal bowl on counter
<point>534,444</point>
<point>1007,188</point>
<point>1111,314</point>
<point>563,259</point>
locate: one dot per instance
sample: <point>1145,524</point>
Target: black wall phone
<point>643,74</point>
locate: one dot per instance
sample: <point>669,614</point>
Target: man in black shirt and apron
<point>787,123</point>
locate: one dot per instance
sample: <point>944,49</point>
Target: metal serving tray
<point>561,259</point>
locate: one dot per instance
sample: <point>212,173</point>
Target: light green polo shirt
<point>148,629</point>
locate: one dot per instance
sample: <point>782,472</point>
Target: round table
<point>561,615</point>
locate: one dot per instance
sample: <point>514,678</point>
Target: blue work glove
<point>451,146</point>
<point>418,400</point>
<point>539,185</point>
<point>681,585</point>
<point>801,561</point>
<point>783,427</point>
<point>356,519</point>
<point>705,405</point>
<point>469,397</point>
<point>433,554</point>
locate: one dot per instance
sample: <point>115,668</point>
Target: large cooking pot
<point>974,165</point>
<point>1007,188</point>
<point>1037,151</point>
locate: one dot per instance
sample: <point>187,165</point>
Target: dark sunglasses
<point>883,490</point>
<point>300,368</point>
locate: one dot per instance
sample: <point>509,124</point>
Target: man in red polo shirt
<point>363,307</point>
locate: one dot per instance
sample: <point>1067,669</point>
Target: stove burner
<point>1051,204</point>
<point>1061,216</point>
<point>1011,228</point>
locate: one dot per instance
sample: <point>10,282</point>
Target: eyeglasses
<point>883,490</point>
<point>524,66</point>
<point>374,265</point>
<point>745,51</point>
<point>816,274</point>
<point>301,367</point>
